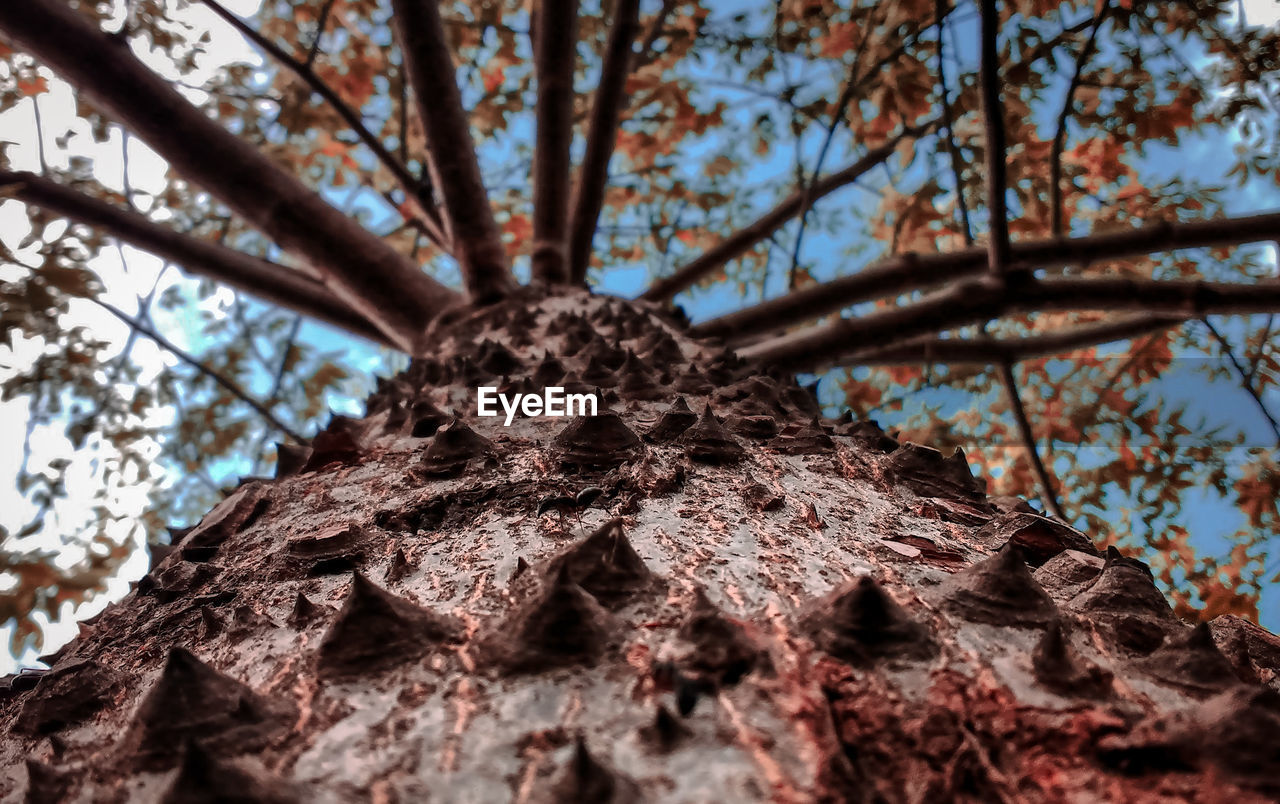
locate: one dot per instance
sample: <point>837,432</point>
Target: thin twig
<point>314,50</point>
<point>1060,134</point>
<point>276,382</point>
<point>645,54</point>
<point>1090,417</point>
<point>1265,336</point>
<point>1244,377</point>
<point>1048,492</point>
<point>1256,363</point>
<point>741,241</point>
<point>178,352</point>
<point>952,379</point>
<point>190,446</point>
<point>966,228</point>
<point>237,312</point>
<point>122,359</point>
<point>847,92</point>
<point>404,117</point>
<point>144,302</point>
<point>671,232</point>
<point>35,110</point>
<point>413,188</point>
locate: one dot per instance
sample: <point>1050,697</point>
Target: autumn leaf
<point>1258,493</point>
<point>31,87</point>
<point>841,38</point>
<point>720,166</point>
<point>493,79</point>
<point>518,229</point>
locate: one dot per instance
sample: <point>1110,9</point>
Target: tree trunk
<point>654,604</point>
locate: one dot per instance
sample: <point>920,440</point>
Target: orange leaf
<point>493,79</point>
<point>333,148</point>
<point>840,40</point>
<point>34,86</point>
<point>519,227</point>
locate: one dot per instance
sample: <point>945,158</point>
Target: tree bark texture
<point>706,592</point>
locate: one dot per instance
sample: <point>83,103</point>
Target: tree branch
<point>362,270</point>
<point>843,99</point>
<point>966,228</point>
<point>277,382</point>
<point>1262,347</point>
<point>993,124</point>
<point>602,132</point>
<point>268,281</point>
<point>911,271</point>
<point>452,161</point>
<point>418,193</point>
<point>1048,491</point>
<point>321,23</point>
<point>644,54</point>
<point>738,243</point>
<point>986,350</point>
<point>848,92</point>
<point>1244,377</point>
<point>182,355</point>
<point>972,301</point>
<point>1060,133</point>
<point>554,51</point>
<point>35,113</point>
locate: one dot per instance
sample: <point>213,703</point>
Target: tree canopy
<point>1006,227</point>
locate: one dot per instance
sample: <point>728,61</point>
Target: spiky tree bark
<point>705,590</point>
